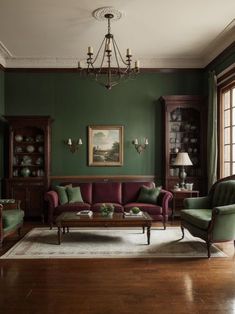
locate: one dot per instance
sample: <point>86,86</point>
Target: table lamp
<point>182,160</point>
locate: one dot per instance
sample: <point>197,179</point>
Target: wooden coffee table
<point>67,220</point>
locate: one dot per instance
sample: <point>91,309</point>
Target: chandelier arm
<point>98,51</point>
<point>102,61</point>
<point>120,53</point>
<point>116,57</point>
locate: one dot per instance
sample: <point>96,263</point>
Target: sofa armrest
<point>52,198</point>
<point>197,202</point>
<point>224,210</point>
<point>164,198</point>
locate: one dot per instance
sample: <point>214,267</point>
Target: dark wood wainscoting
<point>102,178</point>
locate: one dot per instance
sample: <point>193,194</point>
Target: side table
<point>178,199</point>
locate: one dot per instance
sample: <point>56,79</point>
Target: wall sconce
<point>73,145</point>
<point>140,147</point>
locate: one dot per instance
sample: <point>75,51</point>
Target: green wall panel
<point>75,102</point>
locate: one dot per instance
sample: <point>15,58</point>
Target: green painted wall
<point>2,111</point>
<point>75,102</point>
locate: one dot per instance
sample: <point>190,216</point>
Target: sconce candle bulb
<point>73,145</point>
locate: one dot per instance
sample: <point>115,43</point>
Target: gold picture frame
<point>105,145</point>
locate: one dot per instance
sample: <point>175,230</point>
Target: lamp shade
<point>182,159</point>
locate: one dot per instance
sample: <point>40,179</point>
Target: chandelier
<point>108,67</point>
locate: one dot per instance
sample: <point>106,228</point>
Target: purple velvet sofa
<point>123,195</point>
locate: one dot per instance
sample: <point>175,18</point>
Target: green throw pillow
<point>62,193</point>
<point>74,194</point>
<point>149,195</point>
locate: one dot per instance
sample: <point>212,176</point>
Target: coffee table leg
<point>148,234</point>
<point>59,235</point>
<point>143,229</point>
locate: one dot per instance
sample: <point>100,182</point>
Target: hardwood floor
<point>117,285</point>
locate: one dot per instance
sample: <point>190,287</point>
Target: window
<point>227,130</point>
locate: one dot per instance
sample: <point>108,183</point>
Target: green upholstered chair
<point>11,218</point>
<point>212,218</point>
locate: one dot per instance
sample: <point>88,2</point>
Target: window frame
<point>226,86</point>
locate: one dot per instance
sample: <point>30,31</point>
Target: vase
<point>25,172</point>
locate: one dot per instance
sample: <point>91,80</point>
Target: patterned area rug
<point>109,243</point>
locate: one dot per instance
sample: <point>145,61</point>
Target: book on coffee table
<point>132,215</point>
<point>88,213</point>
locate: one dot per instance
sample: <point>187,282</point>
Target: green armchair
<point>212,218</point>
<point>11,218</point>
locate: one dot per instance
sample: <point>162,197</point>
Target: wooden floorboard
<point>117,285</point>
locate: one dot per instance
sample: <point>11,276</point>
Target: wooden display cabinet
<point>185,131</point>
<point>29,162</point>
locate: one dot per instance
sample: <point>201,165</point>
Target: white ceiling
<point>160,33</point>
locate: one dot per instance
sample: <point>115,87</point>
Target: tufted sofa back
<point>224,193</point>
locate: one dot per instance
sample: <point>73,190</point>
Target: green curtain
<point>212,136</point>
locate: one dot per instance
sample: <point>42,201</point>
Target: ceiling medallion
<point>112,67</point>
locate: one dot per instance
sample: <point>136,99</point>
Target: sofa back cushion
<point>224,193</point>
<point>109,192</point>
<point>131,190</point>
<point>86,190</point>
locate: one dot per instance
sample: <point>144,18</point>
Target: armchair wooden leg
<point>208,243</point>
<point>182,229</point>
<point>1,240</point>
<point>19,232</point>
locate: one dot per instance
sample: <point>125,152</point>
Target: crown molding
<point>71,63</point>
<point>223,41</point>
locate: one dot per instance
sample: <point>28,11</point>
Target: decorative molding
<point>99,14</point>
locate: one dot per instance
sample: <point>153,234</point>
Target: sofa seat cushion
<point>72,207</point>
<point>197,217</point>
<point>118,208</point>
<point>12,218</point>
<point>149,208</point>
<point>107,192</point>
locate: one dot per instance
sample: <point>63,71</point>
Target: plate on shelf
<point>18,138</point>
<point>30,148</point>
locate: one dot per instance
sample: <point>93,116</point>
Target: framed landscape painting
<point>105,145</point>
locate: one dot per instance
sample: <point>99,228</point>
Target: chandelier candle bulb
<point>137,64</point>
<point>69,141</point>
<point>136,142</point>
<point>146,142</point>
<point>128,52</point>
<point>90,50</point>
<point>80,141</point>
